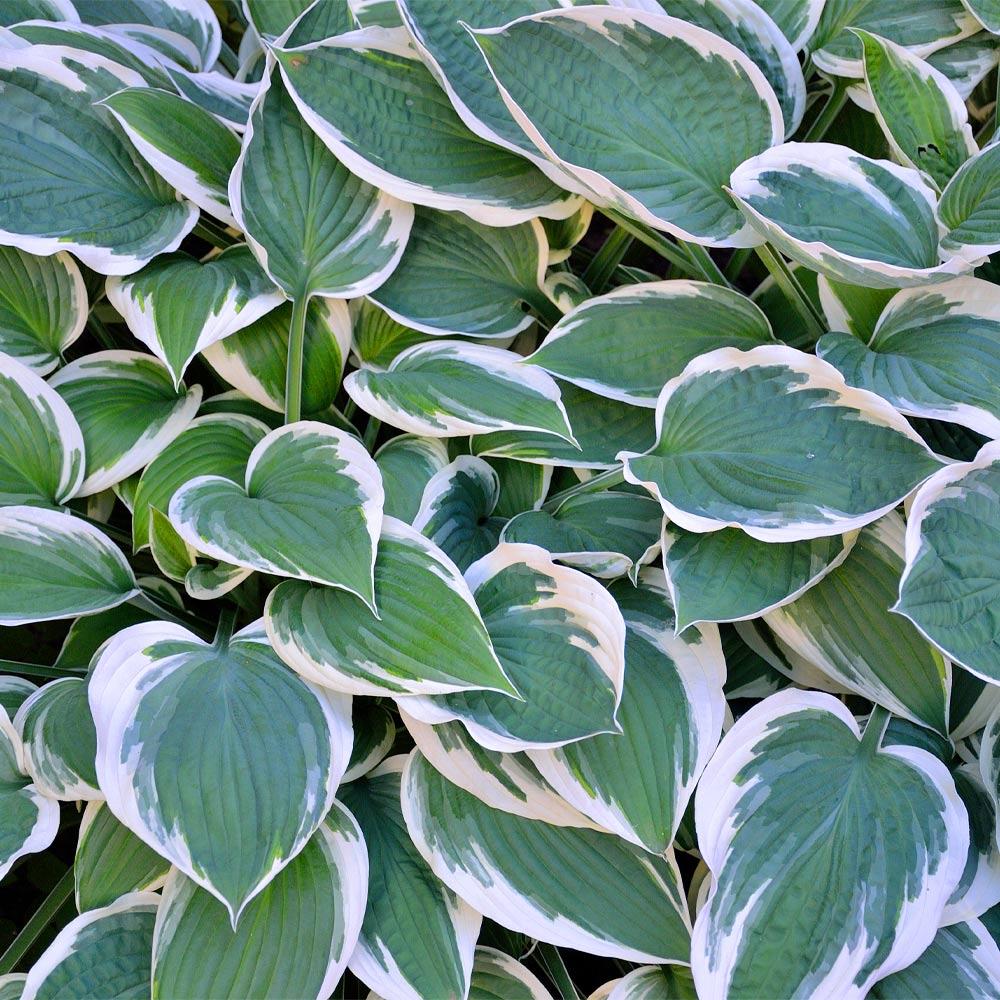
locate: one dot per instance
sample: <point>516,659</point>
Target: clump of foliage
<point>498,500</point>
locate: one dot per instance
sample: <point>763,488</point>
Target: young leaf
<point>57,566</point>
<point>128,408</point>
<point>450,388</point>
<point>311,509</point>
<point>428,638</point>
<point>43,307</point>
<point>407,464</point>
<point>177,306</point>
<point>249,770</point>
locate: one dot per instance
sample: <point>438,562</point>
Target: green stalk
<point>834,105</point>
<point>224,630</point>
<point>296,352</point>
<point>98,328</point>
<point>736,263</point>
<point>115,534</point>
<point>371,432</point>
<point>874,730</point>
<point>792,290</point>
<point>212,234</point>
<point>548,312</point>
<point>602,481</point>
<point>602,267</point>
<point>656,242</point>
<point>165,613</point>
<point>703,260</point>
<point>41,918</point>
<point>39,669</point>
<point>555,966</point>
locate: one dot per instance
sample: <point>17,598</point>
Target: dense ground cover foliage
<point>499,501</point>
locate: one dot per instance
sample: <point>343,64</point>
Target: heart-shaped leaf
<point>311,509</point>
<point>43,307</point>
<point>428,639</point>
<point>177,306</point>
<point>249,770</point>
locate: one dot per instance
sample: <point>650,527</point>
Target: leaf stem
<point>834,105</point>
<point>874,729</point>
<point>211,233</point>
<point>99,329</point>
<point>793,291</point>
<point>40,919</point>
<point>178,616</point>
<point>736,263</point>
<point>548,312</point>
<point>704,262</point>
<point>115,534</point>
<point>656,242</point>
<point>602,266</point>
<point>556,967</point>
<point>371,432</point>
<point>595,484</point>
<point>39,669</point>
<point>224,630</point>
<point>296,352</point>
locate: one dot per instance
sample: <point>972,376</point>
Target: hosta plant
<point>499,499</point>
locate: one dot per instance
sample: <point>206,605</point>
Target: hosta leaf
<point>972,703</point>
<point>965,63</point>
<point>456,507</point>
<point>986,12</point>
<point>575,888</point>
<point>228,100</point>
<point>653,982</point>
<point>191,19</point>
<point>111,860</point>
<point>29,821</point>
<point>58,740</point>
<point>753,32</point>
<point>951,580</point>
<point>496,976</point>
<point>727,576</point>
<point>795,453</point>
<point>407,464</point>
<point>206,583</point>
<point>318,22</point>
<point>637,783</point>
<point>560,639</point>
<point>428,639</point>
<point>378,338</point>
<point>523,486</point>
<point>935,353</point>
<point>459,276</point>
<point>854,219</point>
<point>23,10</point>
<point>601,427</point>
<point>101,953</point>
<point>843,626</point>
<point>41,445</point>
<point>923,26</point>
<point>293,940</point>
<point>449,389</point>
<point>311,509</point>
<point>791,801</point>
<point>218,444</point>
<point>922,114</point>
<point>604,534</point>
<point>173,556</point>
<point>203,803</point>
<point>128,409</point>
<point>564,234</point>
<point>43,307</point>
<point>962,962</point>
<point>177,306</point>
<point>748,673</point>
<point>421,152</point>
<point>449,50</point>
<point>625,345</point>
<point>54,565</point>
<point>321,231</point>
<point>182,142</point>
<point>254,359</point>
<point>92,198</point>
<point>506,781</point>
<point>852,308</point>
<point>970,207</point>
<point>418,937</point>
<point>374,735</point>
<point>979,887</point>
<point>14,691</point>
<point>797,19</point>
<point>12,985</point>
<point>664,161</point>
